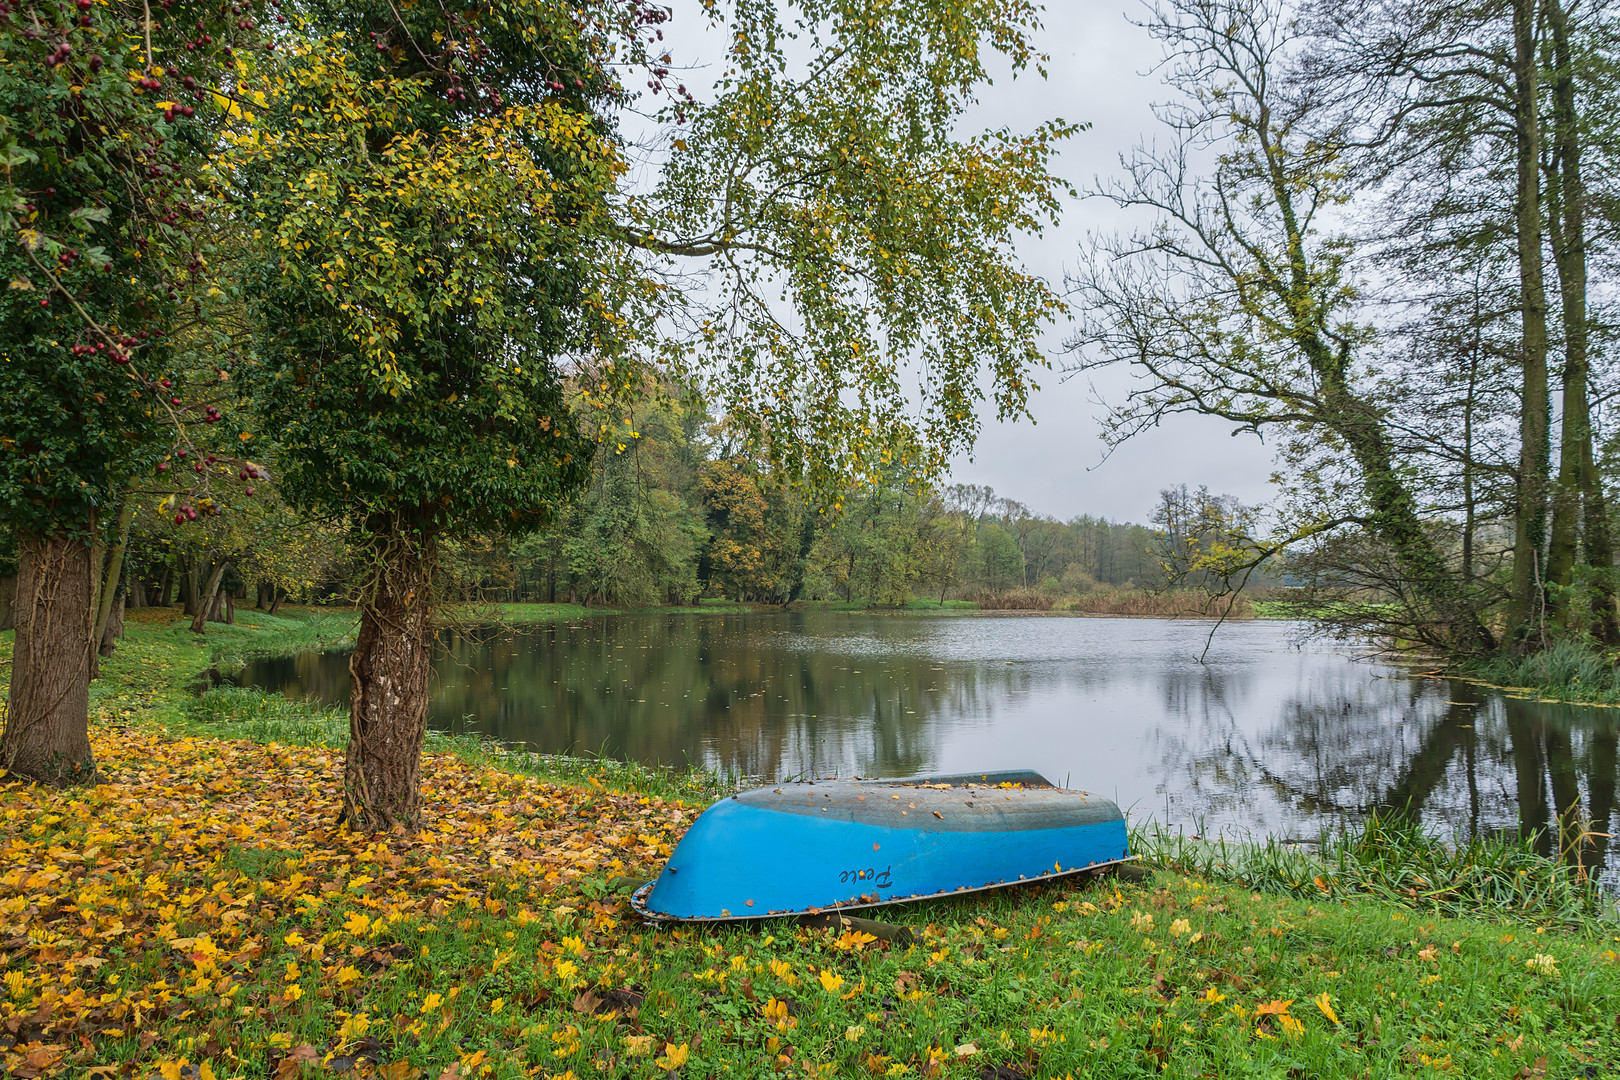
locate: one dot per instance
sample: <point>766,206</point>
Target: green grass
<point>518,614</point>
<point>1400,863</point>
<point>160,664</point>
<point>1568,671</point>
<point>1177,978</point>
<point>927,606</point>
<point>1408,958</point>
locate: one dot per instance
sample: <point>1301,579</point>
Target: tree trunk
<point>164,585</point>
<point>230,607</point>
<point>275,599</point>
<point>113,628</point>
<point>47,732</point>
<point>1530,511</point>
<point>189,585</point>
<point>1566,226</point>
<point>1579,490</point>
<point>209,598</point>
<point>8,597</point>
<point>109,592</point>
<point>137,592</point>
<point>1599,549</point>
<point>388,678</point>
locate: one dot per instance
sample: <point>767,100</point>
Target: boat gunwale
<point>638,899</point>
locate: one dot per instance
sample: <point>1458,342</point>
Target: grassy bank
<point>1566,672</point>
<point>1395,861</point>
<point>197,916</point>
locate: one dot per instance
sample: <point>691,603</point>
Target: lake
<point>1270,734</point>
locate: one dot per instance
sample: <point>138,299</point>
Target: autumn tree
<point>430,184</point>
<point>633,537</point>
<point>108,112</point>
<point>1243,303</point>
<point>439,198</point>
<point>1470,113</point>
<point>856,243</point>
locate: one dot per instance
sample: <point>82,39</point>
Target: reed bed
<point>1174,603</point>
<point>1568,671</point>
<point>1393,860</point>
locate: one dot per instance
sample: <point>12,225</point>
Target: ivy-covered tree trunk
<point>47,732</point>
<point>1530,513</point>
<point>388,679</point>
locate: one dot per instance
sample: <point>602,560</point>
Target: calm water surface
<point>1269,735</point>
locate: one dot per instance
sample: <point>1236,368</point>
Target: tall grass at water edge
<point>1568,671</point>
<point>1396,861</point>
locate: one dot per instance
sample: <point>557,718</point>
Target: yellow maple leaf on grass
<point>1324,1004</point>
<point>674,1056</point>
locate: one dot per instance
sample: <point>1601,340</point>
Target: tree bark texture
<point>47,731</point>
<point>1567,230</point>
<point>8,597</point>
<point>1535,420</point>
<point>189,587</point>
<point>388,678</point>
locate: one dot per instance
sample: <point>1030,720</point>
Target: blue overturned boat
<point>810,847</point>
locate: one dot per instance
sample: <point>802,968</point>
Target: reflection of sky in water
<point>1266,736</point>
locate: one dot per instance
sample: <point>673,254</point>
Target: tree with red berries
<point>108,111</point>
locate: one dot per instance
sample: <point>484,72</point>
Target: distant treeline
<point>675,512</point>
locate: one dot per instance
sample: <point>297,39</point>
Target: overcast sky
<point>1100,73</point>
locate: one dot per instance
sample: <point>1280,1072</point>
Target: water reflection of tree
<point>1285,746</point>
<point>751,694</point>
<point>1442,753</point>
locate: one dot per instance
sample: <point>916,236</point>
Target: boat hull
<point>805,848</point>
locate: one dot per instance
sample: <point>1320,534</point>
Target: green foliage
<point>755,530</point>
<point>1566,671</point>
<point>996,559</point>
<point>107,118</point>
<point>429,207</point>
<point>857,234</point>
<point>632,538</point>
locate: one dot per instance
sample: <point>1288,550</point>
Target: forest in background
<point>676,511</point>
